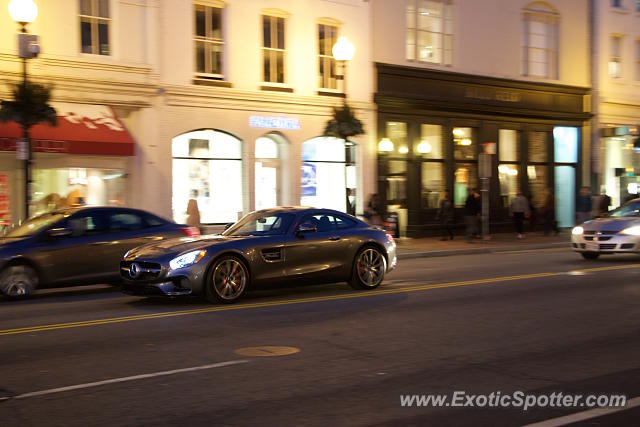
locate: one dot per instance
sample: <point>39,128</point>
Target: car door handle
<point>334,238</point>
<point>152,237</point>
<point>99,243</point>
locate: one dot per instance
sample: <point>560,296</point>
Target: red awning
<point>81,129</point>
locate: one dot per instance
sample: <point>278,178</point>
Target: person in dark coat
<point>472,211</point>
<point>445,216</point>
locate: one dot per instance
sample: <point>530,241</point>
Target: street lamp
<point>25,12</point>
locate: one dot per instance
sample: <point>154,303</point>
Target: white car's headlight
<point>577,231</point>
<point>632,231</point>
<point>187,259</point>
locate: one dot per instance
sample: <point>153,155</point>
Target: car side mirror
<point>306,228</point>
<point>60,232</point>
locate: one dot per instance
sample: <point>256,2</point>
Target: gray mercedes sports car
<point>277,245</point>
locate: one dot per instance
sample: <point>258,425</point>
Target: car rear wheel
<point>590,255</point>
<point>228,279</point>
<point>18,281</point>
<point>368,269</point>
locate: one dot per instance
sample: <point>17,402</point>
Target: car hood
<point>611,224</point>
<point>179,245</point>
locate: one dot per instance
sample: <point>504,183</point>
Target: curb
<point>480,250</point>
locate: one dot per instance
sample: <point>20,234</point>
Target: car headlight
<point>632,231</point>
<point>577,231</point>
<point>187,259</point>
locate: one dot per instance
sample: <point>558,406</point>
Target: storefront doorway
<point>324,174</point>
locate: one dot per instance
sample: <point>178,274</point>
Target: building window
<point>94,26</point>
<point>269,171</point>
<point>273,49</point>
<point>617,3</point>
<point>430,31</point>
<point>508,168</point>
<point>327,37</point>
<point>540,41</point>
<point>209,42</point>
<point>464,147</point>
<point>466,174</point>
<point>537,167</point>
<point>207,167</point>
<point>637,5</point>
<point>324,177</point>
<point>429,150</point>
<point>615,57</point>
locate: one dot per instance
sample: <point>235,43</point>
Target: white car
<point>617,232</point>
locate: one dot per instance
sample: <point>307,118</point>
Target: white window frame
<point>272,51</point>
<point>550,52</point>
<point>446,34</point>
<point>95,19</point>
<point>209,40</point>
<point>328,61</point>
<point>615,72</point>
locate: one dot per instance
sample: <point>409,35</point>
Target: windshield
<point>261,224</point>
<point>34,225</point>
<point>632,209</point>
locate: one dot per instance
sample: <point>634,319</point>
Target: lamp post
<point>24,12</point>
<point>342,52</point>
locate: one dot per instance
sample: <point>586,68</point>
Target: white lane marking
<point>123,379</point>
<point>581,416</point>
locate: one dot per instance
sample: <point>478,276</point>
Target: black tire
<point>590,255</point>
<point>227,280</point>
<point>18,281</point>
<point>369,268</point>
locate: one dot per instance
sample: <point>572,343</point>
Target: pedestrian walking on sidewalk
<point>518,210</point>
<point>583,206</point>
<point>445,215</point>
<point>472,214</point>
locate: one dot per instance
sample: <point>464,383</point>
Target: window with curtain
<point>540,41</point>
<point>327,37</point>
<point>95,20</point>
<point>208,39</point>
<point>273,49</point>
<point>429,31</point>
<point>615,57</point>
<point>429,150</point>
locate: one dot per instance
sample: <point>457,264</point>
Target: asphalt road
<point>535,322</point>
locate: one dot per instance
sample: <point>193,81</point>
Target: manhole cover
<point>267,351</point>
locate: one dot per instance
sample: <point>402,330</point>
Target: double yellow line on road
<point>415,288</point>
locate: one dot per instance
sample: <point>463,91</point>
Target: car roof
<point>74,209</point>
<point>302,210</point>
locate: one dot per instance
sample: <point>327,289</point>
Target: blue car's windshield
<point>34,225</point>
<point>632,209</point>
<point>261,224</point>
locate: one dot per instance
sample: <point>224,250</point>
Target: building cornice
<point>50,61</point>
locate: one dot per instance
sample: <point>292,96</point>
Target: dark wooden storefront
<point>483,106</point>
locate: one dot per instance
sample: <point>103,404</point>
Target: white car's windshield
<point>630,210</point>
<point>261,224</point>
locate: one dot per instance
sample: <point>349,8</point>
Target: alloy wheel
<point>18,281</point>
<point>370,267</point>
<point>229,279</point>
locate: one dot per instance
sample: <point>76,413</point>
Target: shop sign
<point>5,205</point>
<point>274,122</point>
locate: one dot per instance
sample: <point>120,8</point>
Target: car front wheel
<point>228,279</point>
<point>18,281</point>
<point>590,255</point>
<point>368,269</point>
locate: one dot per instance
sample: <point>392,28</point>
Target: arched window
<point>324,173</point>
<point>207,166</point>
<point>540,41</point>
<point>268,175</point>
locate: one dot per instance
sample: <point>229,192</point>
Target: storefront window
<point>509,182</point>
<point>464,146</point>
<point>324,173</point>
<point>538,183</point>
<point>266,173</point>
<point>397,133</point>
<point>430,144</point>
<point>537,146</point>
<point>565,180</point>
<point>466,179</point>
<point>433,184</point>
<point>508,145</point>
<point>207,167</point>
<point>565,144</point>
<point>58,188</point>
<point>621,168</point>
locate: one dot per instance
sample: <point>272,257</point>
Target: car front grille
<point>607,246</point>
<point>627,246</point>
<point>141,271</point>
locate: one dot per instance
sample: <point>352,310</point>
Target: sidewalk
<point>434,247</point>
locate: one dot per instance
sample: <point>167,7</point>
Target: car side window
<point>343,223</point>
<point>125,222</point>
<point>322,222</point>
<point>153,221</point>
<point>87,224</point>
